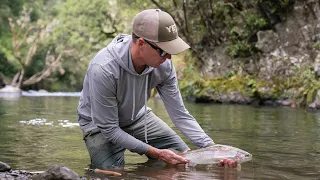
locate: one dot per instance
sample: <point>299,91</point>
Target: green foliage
<point>37,64</point>
<point>84,27</point>
<point>69,81</point>
<point>275,11</point>
<point>8,8</point>
<point>7,68</point>
<point>87,26</point>
<point>254,22</point>
<point>6,48</point>
<point>240,48</point>
<point>206,24</point>
<point>305,82</point>
<point>301,87</point>
<point>13,9</point>
<point>240,44</point>
<point>316,45</point>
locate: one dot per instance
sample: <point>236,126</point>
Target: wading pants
<point>106,155</point>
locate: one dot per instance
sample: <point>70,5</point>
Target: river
<point>38,132</point>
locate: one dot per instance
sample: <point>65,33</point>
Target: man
<point>113,114</point>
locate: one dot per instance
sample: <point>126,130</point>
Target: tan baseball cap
<point>158,26</point>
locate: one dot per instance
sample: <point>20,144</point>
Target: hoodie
<point>114,95</point>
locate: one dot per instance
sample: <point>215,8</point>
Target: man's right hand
<point>166,156</point>
<point>171,157</point>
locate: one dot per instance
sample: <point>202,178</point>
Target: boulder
<point>4,167</point>
<point>10,89</point>
<point>2,83</point>
<point>10,93</point>
<point>316,103</point>
<point>267,41</point>
<point>57,172</point>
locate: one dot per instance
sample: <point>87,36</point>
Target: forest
<point>47,44</point>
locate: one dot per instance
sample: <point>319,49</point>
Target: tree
<point>26,39</point>
<point>232,23</point>
<point>86,26</point>
<point>8,8</point>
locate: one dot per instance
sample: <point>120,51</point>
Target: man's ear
<point>140,42</point>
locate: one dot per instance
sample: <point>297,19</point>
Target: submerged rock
<point>57,172</point>
<point>316,103</point>
<point>10,92</point>
<point>4,167</point>
<point>16,174</point>
<point>10,89</point>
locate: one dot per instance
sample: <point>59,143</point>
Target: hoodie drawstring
<point>134,99</point>
<point>145,106</point>
<point>145,109</point>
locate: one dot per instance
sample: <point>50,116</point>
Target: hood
<point>119,48</point>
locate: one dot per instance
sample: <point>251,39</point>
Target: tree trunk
<point>20,82</point>
<point>17,80</point>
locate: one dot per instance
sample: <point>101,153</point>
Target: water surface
<point>38,132</point>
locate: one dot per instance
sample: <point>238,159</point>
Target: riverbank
<point>278,65</point>
<point>296,91</point>
<point>55,172</point>
<point>262,98</point>
<point>233,90</point>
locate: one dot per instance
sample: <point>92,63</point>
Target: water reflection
<point>171,173</point>
<point>284,142</point>
<point>153,171</point>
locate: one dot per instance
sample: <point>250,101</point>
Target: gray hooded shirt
<point>114,95</point>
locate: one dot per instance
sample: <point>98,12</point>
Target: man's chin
<point>156,65</point>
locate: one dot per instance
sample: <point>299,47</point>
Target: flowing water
<point>38,132</point>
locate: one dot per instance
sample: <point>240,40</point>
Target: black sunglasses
<point>161,52</point>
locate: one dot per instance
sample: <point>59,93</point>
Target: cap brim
<point>175,46</point>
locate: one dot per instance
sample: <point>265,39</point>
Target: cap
<point>159,27</point>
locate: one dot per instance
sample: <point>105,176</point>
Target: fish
<point>214,153</point>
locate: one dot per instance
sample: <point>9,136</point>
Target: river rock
<point>10,89</point>
<point>316,103</point>
<point>10,93</point>
<point>2,81</point>
<point>42,91</point>
<point>316,65</point>
<point>4,167</point>
<point>267,41</point>
<point>57,172</point>
<point>15,175</point>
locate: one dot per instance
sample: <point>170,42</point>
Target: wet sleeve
<point>104,109</point>
<point>182,119</point>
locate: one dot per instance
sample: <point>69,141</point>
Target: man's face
<point>154,56</point>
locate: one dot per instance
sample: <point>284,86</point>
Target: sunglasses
<point>161,52</point>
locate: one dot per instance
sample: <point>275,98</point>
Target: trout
<point>213,154</point>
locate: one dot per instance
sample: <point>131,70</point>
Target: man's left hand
<point>227,163</point>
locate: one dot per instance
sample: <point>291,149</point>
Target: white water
<point>37,93</point>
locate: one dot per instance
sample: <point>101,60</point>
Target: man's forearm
<point>153,152</point>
